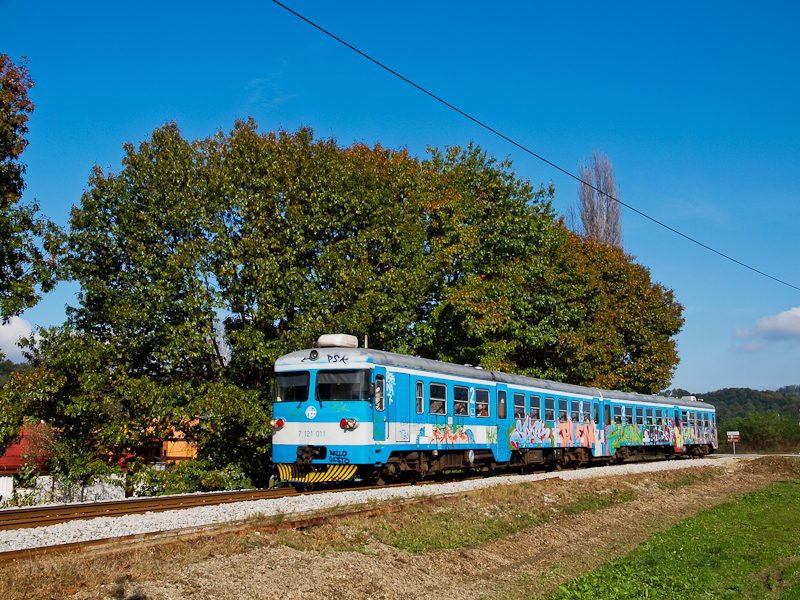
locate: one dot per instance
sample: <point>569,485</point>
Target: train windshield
<point>343,385</point>
<point>292,387</point>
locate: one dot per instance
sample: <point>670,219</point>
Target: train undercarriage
<point>416,465</point>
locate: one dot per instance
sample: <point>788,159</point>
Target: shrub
<point>183,478</point>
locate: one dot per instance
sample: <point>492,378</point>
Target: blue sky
<point>697,105</point>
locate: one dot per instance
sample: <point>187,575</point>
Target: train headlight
<point>348,423</point>
<point>277,422</point>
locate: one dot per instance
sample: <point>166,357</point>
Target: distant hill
<point>7,367</point>
<point>740,402</point>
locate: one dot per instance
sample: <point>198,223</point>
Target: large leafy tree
<point>618,327</point>
<point>490,239</point>
<point>201,262</point>
<point>315,238</point>
<point>512,289</point>
<point>280,236</point>
<point>25,269</point>
<point>141,356</point>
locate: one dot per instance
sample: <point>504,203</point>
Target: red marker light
<point>277,423</point>
<point>343,423</point>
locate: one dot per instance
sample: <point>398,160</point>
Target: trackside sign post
<point>733,437</point>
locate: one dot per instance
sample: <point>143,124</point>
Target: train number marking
<point>312,433</point>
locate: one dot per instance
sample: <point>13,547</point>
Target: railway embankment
<point>507,537</point>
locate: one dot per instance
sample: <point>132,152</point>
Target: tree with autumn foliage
<point>619,326</point>
<point>315,238</point>
<point>25,269</point>
<point>490,241</point>
<point>201,262</point>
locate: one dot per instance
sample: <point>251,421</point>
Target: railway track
<point>41,516</point>
<point>19,518</point>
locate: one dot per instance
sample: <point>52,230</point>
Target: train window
<point>420,398</point>
<point>649,414</point>
<point>618,414</point>
<point>292,387</point>
<point>639,415</point>
<point>628,415</point>
<point>380,393</point>
<point>576,410</point>
<point>536,408</point>
<point>501,405</point>
<point>685,418</point>
<point>586,408</point>
<point>692,419</point>
<point>438,395</point>
<point>659,417</point>
<point>482,402</point>
<point>345,384</point>
<point>549,409</point>
<point>460,401</point>
<point>596,413</point>
<point>563,410</point>
<point>519,406</point>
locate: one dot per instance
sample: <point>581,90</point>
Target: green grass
<point>747,549</point>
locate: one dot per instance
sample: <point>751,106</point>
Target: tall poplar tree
<point>597,201</point>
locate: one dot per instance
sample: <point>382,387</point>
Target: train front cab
<point>323,419</point>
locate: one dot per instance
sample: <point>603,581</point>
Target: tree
<point>619,326</point>
<point>25,269</point>
<point>598,208</point>
<point>201,262</point>
<point>140,356</point>
<point>314,238</point>
<point>280,236</point>
<point>490,239</point>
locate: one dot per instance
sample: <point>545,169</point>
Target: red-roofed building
<point>14,459</point>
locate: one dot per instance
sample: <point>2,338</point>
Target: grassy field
<point>747,549</point>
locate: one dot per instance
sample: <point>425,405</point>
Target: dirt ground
<point>532,560</point>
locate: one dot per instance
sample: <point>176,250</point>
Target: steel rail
<point>19,518</point>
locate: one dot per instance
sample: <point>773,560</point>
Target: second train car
<point>343,412</point>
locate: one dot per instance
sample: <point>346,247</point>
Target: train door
<point>505,422</point>
<point>379,420</point>
<point>398,398</point>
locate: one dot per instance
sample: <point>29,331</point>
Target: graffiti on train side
<point>603,440</point>
<point>530,433</point>
<point>451,434</point>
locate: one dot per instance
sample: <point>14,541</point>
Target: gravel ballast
<point>189,518</point>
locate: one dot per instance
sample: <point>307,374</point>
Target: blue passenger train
<point>343,412</point>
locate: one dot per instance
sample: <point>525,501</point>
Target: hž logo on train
<point>311,412</point>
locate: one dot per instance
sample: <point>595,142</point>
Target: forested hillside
<point>7,367</point>
<point>740,402</point>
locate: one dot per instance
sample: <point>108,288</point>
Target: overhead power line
<point>531,152</point>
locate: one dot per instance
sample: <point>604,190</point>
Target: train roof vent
<point>689,398</point>
<point>337,340</point>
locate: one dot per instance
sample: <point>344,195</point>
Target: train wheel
<point>377,477</point>
<point>413,477</point>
